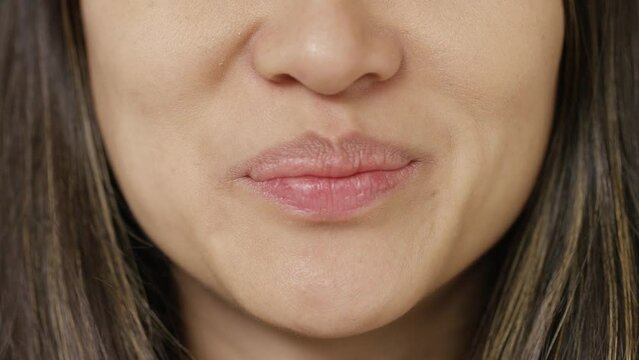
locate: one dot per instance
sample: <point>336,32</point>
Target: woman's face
<point>187,91</point>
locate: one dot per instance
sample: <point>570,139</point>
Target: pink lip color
<point>329,198</point>
<point>313,178</point>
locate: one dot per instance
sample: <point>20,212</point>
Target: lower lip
<point>325,198</point>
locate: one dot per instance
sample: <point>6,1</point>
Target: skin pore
<point>184,90</point>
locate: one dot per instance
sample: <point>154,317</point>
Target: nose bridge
<point>327,46</point>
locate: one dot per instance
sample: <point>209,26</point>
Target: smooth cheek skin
<point>181,95</point>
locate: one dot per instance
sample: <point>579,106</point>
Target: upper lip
<point>313,155</point>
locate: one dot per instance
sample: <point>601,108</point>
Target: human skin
<point>184,90</point>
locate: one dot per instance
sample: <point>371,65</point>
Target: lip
<point>318,179</point>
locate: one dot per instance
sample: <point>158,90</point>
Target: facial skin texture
<point>186,89</point>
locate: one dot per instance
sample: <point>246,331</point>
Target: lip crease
<point>323,180</point>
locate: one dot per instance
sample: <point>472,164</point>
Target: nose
<point>328,46</point>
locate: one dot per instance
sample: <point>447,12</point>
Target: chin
<point>329,313</point>
<point>345,322</point>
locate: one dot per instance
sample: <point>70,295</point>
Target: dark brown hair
<point>80,280</point>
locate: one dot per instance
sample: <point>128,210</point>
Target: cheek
<point>154,69</point>
<point>162,59</point>
<point>492,82</point>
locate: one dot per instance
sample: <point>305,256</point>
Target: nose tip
<point>327,50</point>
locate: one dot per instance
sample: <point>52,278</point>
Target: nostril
<point>283,79</point>
<point>369,79</point>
